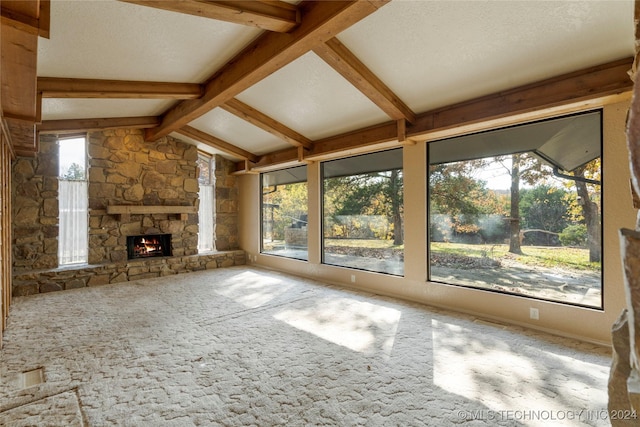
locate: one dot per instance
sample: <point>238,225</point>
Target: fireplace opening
<point>149,245</point>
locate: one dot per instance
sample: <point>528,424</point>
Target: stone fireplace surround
<point>135,187</point>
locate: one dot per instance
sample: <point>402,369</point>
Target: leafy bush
<point>574,235</point>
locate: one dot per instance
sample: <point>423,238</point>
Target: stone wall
<point>226,203</point>
<point>59,279</point>
<point>35,208</point>
<point>123,170</point>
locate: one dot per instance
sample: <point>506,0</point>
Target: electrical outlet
<point>534,313</point>
<point>353,278</point>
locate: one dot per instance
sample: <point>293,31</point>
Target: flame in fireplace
<point>148,246</point>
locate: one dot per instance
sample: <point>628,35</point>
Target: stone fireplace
<point>128,173</point>
<point>135,188</point>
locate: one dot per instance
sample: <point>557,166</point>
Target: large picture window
<point>363,212</point>
<point>518,210</point>
<point>284,213</point>
<point>73,239</point>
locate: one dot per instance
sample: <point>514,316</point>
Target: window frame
<point>601,306</point>
<point>323,177</point>
<point>262,210</point>
<point>208,158</point>
<point>61,240</point>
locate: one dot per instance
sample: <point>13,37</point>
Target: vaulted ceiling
<point>269,83</point>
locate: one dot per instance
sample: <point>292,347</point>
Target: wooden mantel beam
<point>53,87</point>
<point>321,20</point>
<point>216,143</point>
<point>578,91</point>
<point>266,123</point>
<point>268,15</point>
<point>336,54</point>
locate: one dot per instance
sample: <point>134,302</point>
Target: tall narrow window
<point>72,202</point>
<point>284,213</point>
<point>364,212</point>
<point>518,210</point>
<point>205,210</point>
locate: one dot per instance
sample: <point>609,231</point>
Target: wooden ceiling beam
<point>22,22</point>
<point>275,16</point>
<point>19,50</point>
<point>579,91</point>
<point>30,17</point>
<point>23,137</point>
<point>320,21</point>
<point>85,125</point>
<point>216,143</point>
<point>53,87</point>
<point>266,123</point>
<point>27,24</point>
<point>341,59</point>
<point>44,19</point>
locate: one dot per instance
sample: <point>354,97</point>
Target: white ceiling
<point>429,53</point>
<point>436,53</point>
<point>311,98</point>
<point>121,41</point>
<point>230,128</point>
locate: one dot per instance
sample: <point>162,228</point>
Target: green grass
<point>363,243</point>
<point>562,257</point>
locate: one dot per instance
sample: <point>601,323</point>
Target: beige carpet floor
<point>244,346</point>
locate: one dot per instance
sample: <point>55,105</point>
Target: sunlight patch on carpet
<point>478,367</point>
<point>504,374</point>
<point>359,326</point>
<point>253,290</point>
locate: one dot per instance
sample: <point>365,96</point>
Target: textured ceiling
<point>435,53</point>
<point>429,53</point>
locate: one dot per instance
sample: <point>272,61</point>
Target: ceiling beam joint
<point>321,20</point>
<point>266,123</point>
<point>336,55</point>
<point>217,143</point>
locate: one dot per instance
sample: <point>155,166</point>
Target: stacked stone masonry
<point>126,170</point>
<point>35,209</point>
<point>226,201</point>
<point>60,279</point>
<point>123,169</point>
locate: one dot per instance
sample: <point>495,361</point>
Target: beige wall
<point>588,324</point>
